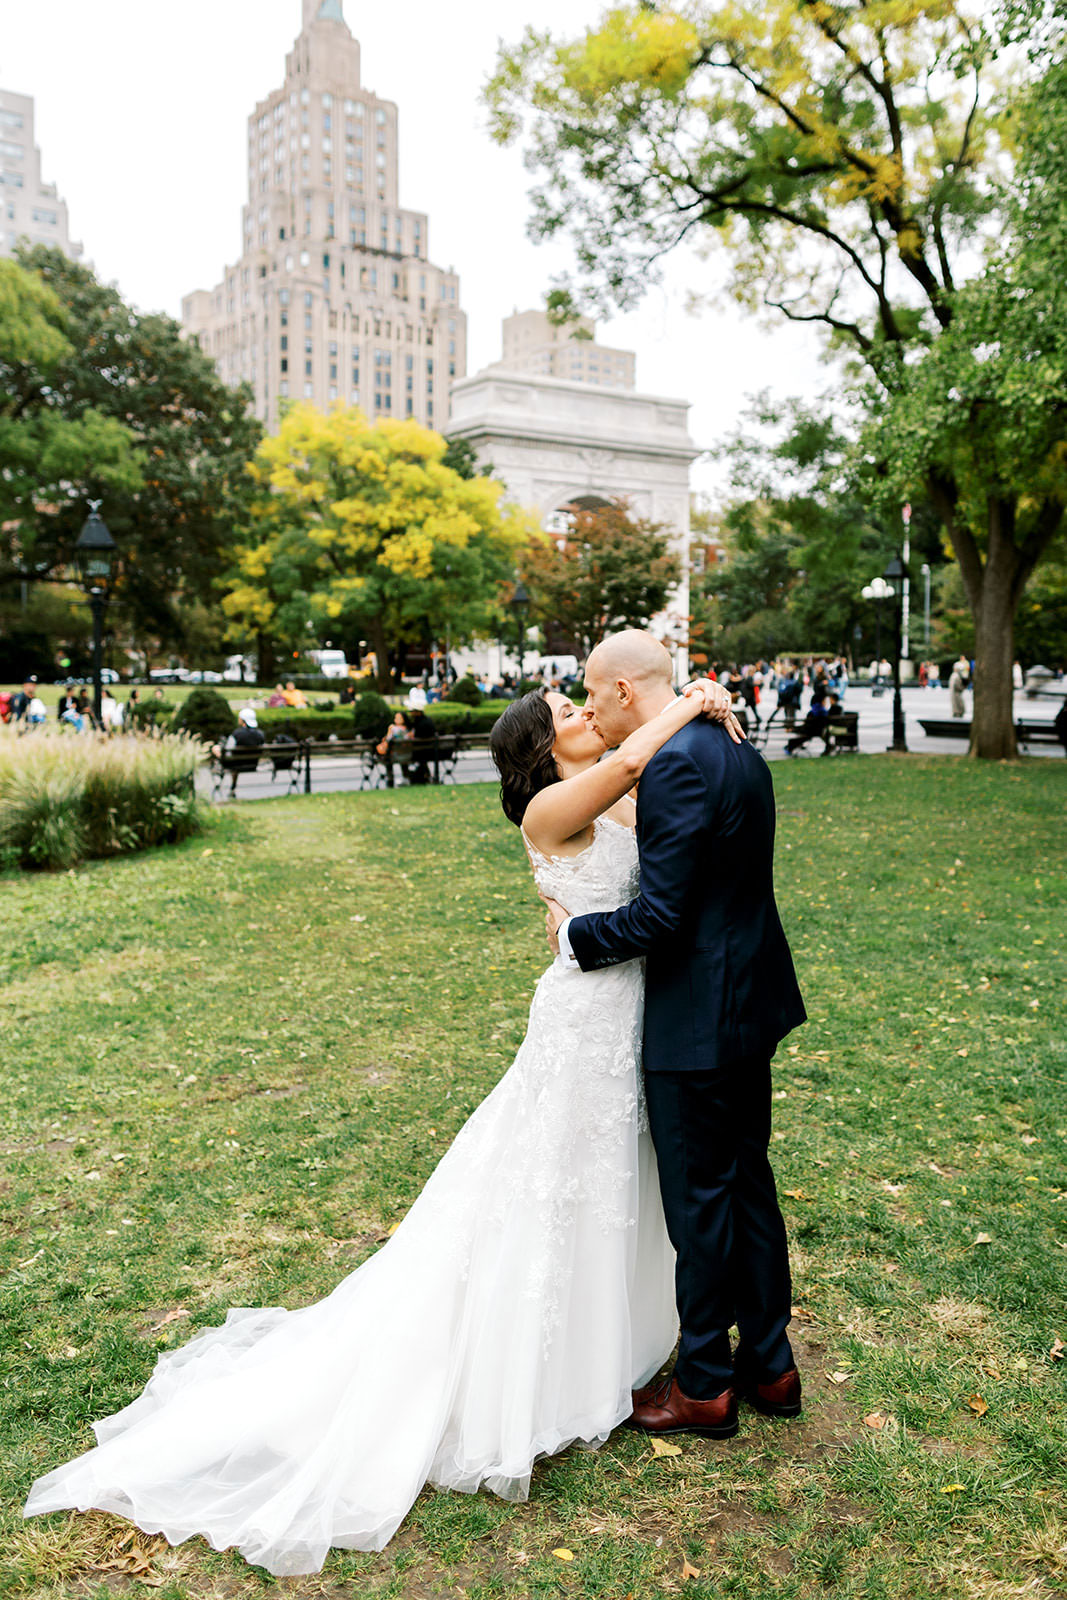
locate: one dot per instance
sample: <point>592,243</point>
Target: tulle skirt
<point>525,1293</point>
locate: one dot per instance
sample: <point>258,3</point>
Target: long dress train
<point>527,1290</point>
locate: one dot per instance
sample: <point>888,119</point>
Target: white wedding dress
<point>527,1290</point>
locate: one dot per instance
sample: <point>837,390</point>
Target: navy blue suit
<point>720,993</point>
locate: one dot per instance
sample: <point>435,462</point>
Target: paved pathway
<point>875,734</point>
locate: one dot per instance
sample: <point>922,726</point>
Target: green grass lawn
<point>230,1066</point>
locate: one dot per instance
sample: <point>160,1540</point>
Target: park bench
<point>283,755</point>
<point>403,761</point>
<point>840,732</point>
<point>1027,731</point>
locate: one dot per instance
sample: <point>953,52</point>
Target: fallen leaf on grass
<point>984,1238</point>
<point>688,1570</point>
<point>839,1377</point>
<point>798,1194</point>
<point>31,1259</point>
<point>663,1447</point>
<point>954,1488</point>
<point>1057,1348</point>
<point>172,1316</point>
<point>875,1419</point>
<point>976,1404</point>
<point>563,1555</point>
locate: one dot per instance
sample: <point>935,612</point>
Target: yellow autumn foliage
<point>632,46</point>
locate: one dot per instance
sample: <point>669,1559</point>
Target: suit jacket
<point>719,978</point>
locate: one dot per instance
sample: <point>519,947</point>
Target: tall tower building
<point>29,208</point>
<point>531,343</point>
<point>334,296</point>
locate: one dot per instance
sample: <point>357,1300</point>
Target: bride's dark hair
<point>521,744</point>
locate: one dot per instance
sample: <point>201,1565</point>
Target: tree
<point>610,570</point>
<point>846,158</point>
<point>52,457</point>
<point>362,525</point>
<point>156,435</point>
<point>980,420</point>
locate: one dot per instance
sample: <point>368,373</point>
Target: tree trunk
<point>381,652</point>
<point>993,723</point>
<point>265,667</point>
<point>994,588</point>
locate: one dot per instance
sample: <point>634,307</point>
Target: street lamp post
<point>896,575</point>
<point>877,590</point>
<point>925,570</point>
<point>520,605</point>
<point>95,552</point>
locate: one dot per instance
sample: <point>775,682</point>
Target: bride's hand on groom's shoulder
<point>718,705</point>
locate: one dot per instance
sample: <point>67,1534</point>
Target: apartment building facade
<point>30,209</point>
<point>334,297</point>
<point>531,343</point>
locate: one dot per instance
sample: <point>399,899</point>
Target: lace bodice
<point>598,879</point>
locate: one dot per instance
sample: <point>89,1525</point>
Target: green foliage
<point>465,692</point>
<point>205,715</point>
<point>610,570</point>
<point>854,163</point>
<point>66,800</point>
<point>310,724</point>
<point>54,452</point>
<point>128,411</point>
<point>370,715</point>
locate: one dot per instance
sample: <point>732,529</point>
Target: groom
<point>720,993</point>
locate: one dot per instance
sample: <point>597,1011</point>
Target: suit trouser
<point>711,1131</point>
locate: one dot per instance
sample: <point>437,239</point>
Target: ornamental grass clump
<point>64,800</point>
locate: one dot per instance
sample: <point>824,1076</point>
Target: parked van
<point>331,663</point>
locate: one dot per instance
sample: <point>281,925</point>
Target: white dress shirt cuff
<point>569,957</point>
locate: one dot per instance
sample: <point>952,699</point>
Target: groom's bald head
<point>628,678</point>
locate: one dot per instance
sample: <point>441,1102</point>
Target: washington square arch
<point>557,444</point>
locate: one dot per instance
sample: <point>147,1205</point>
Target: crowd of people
<point>25,709</point>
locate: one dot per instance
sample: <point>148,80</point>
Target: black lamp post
<point>895,575</point>
<point>520,605</point>
<point>95,553</point>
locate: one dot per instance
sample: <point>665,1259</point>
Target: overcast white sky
<point>141,111</point>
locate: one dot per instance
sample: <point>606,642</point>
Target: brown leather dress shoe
<point>645,1393</point>
<point>778,1398</point>
<point>667,1410</point>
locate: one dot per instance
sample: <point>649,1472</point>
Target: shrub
<point>371,715</point>
<point>206,715</point>
<point>306,724</point>
<point>66,800</point>
<point>465,692</point>
<point>146,714</point>
<point>466,719</point>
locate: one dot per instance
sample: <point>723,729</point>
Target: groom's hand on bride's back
<point>554,916</point>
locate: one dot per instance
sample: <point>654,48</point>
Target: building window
<point>283,389</point>
<point>333,391</point>
<point>307,369</point>
<point>409,407</point>
<point>309,298</point>
<point>333,374</point>
<point>285,341</point>
<point>309,391</point>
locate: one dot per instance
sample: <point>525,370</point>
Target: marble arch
<point>554,443</point>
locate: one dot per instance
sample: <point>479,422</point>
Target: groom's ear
<point>624,689</point>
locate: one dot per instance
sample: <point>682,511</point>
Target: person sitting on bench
<point>815,724</point>
<point>240,752</point>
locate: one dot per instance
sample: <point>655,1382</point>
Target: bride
<point>526,1293</point>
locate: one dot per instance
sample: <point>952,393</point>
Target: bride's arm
<point>564,809</point>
